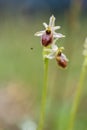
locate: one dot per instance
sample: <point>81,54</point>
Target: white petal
<point>56,27</point>
<point>50,56</point>
<point>40,33</point>
<point>54,47</point>
<point>55,40</point>
<point>45,25</point>
<point>51,52</point>
<point>52,21</point>
<point>58,35</point>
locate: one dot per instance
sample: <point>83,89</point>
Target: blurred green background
<point>21,63</point>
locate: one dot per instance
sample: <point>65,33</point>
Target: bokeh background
<point>21,64</point>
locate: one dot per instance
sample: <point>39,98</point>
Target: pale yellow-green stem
<point>78,93</point>
<point>44,95</point>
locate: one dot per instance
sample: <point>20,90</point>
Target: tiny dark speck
<point>31,48</point>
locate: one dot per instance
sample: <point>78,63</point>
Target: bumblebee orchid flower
<point>61,58</point>
<point>48,35</point>
<point>56,53</point>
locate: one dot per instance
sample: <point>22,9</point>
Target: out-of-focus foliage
<point>34,7</point>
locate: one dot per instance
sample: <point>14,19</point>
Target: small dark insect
<point>31,48</point>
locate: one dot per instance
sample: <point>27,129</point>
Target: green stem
<point>77,97</point>
<point>44,95</point>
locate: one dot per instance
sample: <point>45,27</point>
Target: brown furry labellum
<point>47,38</point>
<point>61,60</point>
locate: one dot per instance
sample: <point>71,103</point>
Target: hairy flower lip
<point>47,39</point>
<point>62,60</point>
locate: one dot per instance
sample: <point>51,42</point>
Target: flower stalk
<point>44,96</point>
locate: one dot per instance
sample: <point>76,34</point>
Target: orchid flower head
<point>49,33</point>
<point>49,36</point>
